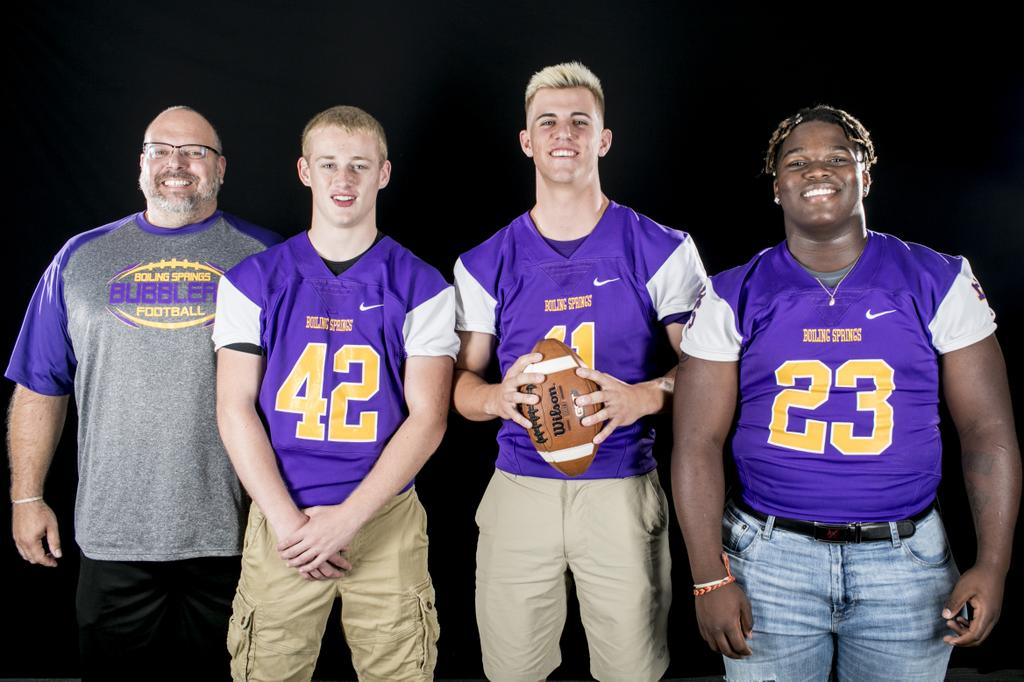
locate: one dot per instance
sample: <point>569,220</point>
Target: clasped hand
<point>315,548</point>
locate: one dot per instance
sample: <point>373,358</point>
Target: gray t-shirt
<point>123,317</point>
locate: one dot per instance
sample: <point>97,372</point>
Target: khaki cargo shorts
<point>387,603</point>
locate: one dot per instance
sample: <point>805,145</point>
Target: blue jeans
<point>879,604</point>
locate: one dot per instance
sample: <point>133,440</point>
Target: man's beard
<point>182,205</point>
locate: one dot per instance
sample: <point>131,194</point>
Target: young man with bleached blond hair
<point>565,76</point>
<point>633,283</point>
<point>342,341</point>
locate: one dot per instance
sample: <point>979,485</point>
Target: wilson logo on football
<point>166,294</point>
<point>555,421</point>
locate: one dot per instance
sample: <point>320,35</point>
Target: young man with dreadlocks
<point>833,344</point>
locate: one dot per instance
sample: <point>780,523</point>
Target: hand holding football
<point>556,427</point>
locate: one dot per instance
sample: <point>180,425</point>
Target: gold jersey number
<point>308,373</point>
<point>822,380</point>
<point>581,340</point>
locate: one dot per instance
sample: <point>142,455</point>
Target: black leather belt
<point>842,532</point>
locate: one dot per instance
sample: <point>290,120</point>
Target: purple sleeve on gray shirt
<point>43,359</point>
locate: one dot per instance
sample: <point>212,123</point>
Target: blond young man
<point>342,341</point>
<point>633,282</point>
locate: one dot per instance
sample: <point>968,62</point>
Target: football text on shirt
<point>166,294</point>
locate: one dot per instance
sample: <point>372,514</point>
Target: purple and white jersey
<point>332,394</point>
<point>838,407</point>
<point>609,301</point>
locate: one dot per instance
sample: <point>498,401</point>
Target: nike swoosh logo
<point>363,307</point>
<point>870,315</point>
<point>602,282</point>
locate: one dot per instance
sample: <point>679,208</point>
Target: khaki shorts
<point>611,536</point>
<point>387,603</point>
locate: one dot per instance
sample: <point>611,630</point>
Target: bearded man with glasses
<point>122,316</point>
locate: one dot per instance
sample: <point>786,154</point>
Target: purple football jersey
<point>332,393</point>
<point>608,300</point>
<point>838,407</point>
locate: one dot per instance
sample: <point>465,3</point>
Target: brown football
<point>556,431</point>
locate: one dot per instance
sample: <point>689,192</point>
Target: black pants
<point>155,620</point>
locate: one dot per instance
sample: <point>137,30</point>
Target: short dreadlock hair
<point>854,129</point>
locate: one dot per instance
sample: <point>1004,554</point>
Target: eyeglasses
<point>161,150</point>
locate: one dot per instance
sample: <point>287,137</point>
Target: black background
<point>693,95</point>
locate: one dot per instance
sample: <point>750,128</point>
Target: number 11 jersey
<point>609,300</point>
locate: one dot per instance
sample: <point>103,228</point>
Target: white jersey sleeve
<point>474,307</point>
<point>964,316</point>
<point>429,328</point>
<point>711,333</point>
<point>237,319</point>
<point>676,285</point>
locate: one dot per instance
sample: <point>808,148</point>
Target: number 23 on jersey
<point>822,381</point>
